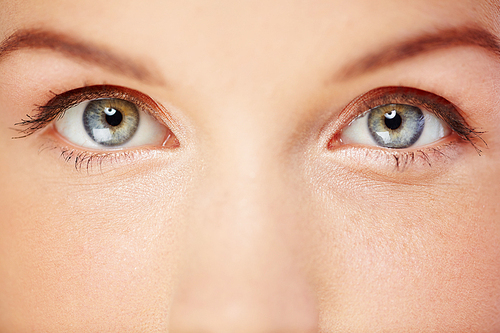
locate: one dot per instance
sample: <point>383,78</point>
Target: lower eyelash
<point>427,156</point>
<point>85,160</point>
<point>420,164</point>
<point>89,161</point>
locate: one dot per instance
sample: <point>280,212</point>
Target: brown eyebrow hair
<point>72,47</point>
<point>441,39</point>
<point>67,45</point>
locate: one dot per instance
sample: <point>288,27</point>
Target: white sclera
<point>149,132</point>
<point>358,133</point>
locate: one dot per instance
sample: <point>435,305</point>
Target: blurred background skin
<point>251,224</point>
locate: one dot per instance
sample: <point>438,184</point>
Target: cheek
<point>102,245</point>
<point>401,256</point>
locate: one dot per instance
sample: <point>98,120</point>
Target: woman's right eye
<point>99,122</point>
<point>110,123</point>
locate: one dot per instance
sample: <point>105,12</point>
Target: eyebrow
<point>428,42</point>
<point>75,48</point>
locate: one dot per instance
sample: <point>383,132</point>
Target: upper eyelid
<point>57,105</point>
<point>403,95</point>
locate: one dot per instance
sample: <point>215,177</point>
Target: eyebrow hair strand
<point>453,37</point>
<point>69,46</point>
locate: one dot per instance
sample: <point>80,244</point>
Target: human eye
<point>96,122</point>
<point>397,126</point>
<point>405,124</point>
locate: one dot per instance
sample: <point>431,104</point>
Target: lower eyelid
<point>91,161</point>
<point>422,163</point>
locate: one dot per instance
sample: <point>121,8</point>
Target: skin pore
<point>254,215</point>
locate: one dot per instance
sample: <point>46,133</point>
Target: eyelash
<point>56,107</point>
<point>439,106</point>
<point>87,160</point>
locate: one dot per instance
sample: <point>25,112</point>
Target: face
<point>249,166</point>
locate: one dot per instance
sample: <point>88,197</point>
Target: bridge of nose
<point>238,269</point>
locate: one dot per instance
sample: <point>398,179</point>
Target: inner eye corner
<point>334,140</point>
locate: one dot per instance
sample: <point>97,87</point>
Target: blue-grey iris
<point>396,125</point>
<point>110,121</point>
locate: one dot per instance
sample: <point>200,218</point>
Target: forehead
<point>240,29</point>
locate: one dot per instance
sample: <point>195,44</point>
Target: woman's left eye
<point>108,123</point>
<point>396,126</point>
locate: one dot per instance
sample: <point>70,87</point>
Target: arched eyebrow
<point>70,46</point>
<point>428,42</point>
<point>75,48</point>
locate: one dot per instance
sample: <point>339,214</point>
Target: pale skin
<point>251,219</point>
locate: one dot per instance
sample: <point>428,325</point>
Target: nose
<point>240,268</point>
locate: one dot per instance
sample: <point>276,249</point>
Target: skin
<point>251,224</point>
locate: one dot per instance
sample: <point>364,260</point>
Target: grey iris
<point>110,121</point>
<point>396,125</point>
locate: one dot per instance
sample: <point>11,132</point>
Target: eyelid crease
<point>439,106</point>
<point>60,103</point>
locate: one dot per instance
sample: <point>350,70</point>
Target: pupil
<point>115,119</point>
<point>393,121</point>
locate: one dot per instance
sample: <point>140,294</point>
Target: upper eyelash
<point>60,103</point>
<point>439,106</point>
